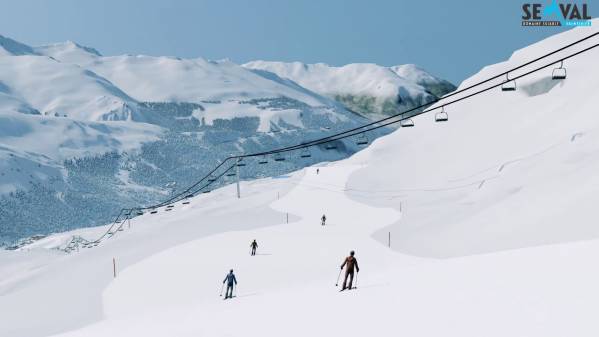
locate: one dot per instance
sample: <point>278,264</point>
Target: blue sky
<point>451,39</point>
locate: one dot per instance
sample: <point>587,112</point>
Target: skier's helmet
<point>231,271</point>
<point>352,253</point>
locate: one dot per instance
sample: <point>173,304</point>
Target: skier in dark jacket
<point>254,245</point>
<point>350,262</point>
<point>323,220</point>
<point>231,280</point>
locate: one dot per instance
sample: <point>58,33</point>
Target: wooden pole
<point>114,267</point>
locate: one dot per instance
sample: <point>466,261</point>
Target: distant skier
<point>231,281</point>
<point>323,220</point>
<point>254,245</point>
<point>317,170</point>
<point>351,262</point>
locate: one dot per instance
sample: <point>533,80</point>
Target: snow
<point>355,78</point>
<point>491,221</point>
<point>55,88</point>
<point>168,79</point>
<point>62,138</point>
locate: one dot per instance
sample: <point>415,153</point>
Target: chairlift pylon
<point>559,73</point>
<point>442,115</point>
<point>508,85</point>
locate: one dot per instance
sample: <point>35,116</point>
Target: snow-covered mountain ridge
<point>369,89</point>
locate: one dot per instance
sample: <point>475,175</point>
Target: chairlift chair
<point>559,73</point>
<point>211,179</point>
<point>508,85</point>
<point>441,116</point>
<point>240,162</point>
<point>140,213</point>
<point>305,153</point>
<point>362,140</point>
<point>153,211</point>
<point>230,174</point>
<point>406,123</point>
<point>330,146</point>
<point>206,191</point>
<point>263,160</point>
<point>279,157</point>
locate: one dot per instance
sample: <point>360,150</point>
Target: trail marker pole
<point>114,267</point>
<point>389,239</point>
<point>287,217</point>
<point>238,191</point>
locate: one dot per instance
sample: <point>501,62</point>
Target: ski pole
<point>338,276</point>
<point>356,286</point>
<point>221,290</point>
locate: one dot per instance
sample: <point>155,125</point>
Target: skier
<point>231,280</point>
<point>317,171</point>
<point>323,220</point>
<point>254,245</point>
<point>351,262</point>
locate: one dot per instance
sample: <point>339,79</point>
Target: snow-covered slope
<point>10,47</point>
<point>508,170</point>
<point>64,90</point>
<point>363,87</point>
<point>172,79</point>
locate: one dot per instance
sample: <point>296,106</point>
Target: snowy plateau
<point>484,225</point>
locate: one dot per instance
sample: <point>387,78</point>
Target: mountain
<point>83,135</point>
<point>369,89</point>
<point>483,225</point>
